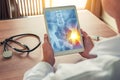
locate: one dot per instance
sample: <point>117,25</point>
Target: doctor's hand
<point>88,45</point>
<point>48,54</point>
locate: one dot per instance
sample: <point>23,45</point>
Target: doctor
<point>106,66</point>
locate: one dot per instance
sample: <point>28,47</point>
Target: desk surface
<point>14,68</point>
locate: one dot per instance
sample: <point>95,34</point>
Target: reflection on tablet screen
<point>63,29</point>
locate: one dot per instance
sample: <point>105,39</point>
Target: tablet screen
<point>63,30</point>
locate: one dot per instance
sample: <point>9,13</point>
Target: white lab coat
<point>105,67</point>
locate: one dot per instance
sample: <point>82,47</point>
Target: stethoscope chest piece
<point>7,54</point>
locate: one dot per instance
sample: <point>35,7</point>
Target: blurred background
<point>11,9</point>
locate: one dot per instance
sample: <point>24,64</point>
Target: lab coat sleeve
<point>110,46</point>
<point>38,72</point>
<point>102,68</point>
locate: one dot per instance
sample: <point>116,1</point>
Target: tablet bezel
<point>66,52</point>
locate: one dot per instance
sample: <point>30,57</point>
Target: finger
<point>83,33</point>
<point>93,56</point>
<point>46,38</point>
<point>81,30</point>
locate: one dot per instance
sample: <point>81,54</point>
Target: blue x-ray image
<point>63,29</point>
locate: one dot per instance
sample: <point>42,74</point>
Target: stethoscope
<point>13,39</point>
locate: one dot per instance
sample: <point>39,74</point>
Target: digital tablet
<point>63,30</point>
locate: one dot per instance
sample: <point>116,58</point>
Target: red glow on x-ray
<point>73,36</point>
